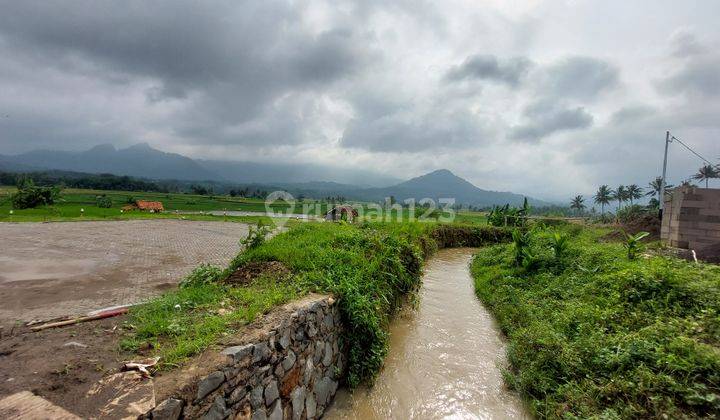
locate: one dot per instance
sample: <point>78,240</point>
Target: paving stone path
<point>55,269</point>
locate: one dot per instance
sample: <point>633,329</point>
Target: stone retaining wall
<point>289,370</point>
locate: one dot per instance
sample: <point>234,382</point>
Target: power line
<point>691,150</point>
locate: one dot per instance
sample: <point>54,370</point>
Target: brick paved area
<point>55,269</point>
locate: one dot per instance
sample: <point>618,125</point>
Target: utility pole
<point>663,183</point>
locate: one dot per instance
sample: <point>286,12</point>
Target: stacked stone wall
<point>289,371</point>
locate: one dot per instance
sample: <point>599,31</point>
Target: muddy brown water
<point>445,359</point>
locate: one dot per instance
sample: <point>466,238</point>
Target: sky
<point>545,98</point>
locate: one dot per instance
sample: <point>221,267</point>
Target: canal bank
<point>446,356</point>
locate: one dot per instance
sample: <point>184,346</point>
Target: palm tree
<point>655,186</point>
<point>634,192</point>
<point>603,196</point>
<point>577,203</point>
<point>620,195</point>
<point>706,173</point>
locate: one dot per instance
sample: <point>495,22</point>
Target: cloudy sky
<point>548,98</point>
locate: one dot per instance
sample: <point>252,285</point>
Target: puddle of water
<point>445,358</point>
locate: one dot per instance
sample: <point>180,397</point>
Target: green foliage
<point>84,180</point>
<point>633,245</point>
<point>606,337</point>
<point>509,216</point>
<point>560,244</point>
<point>521,241</point>
<point>256,236</point>
<point>29,195</point>
<point>202,274</point>
<point>633,213</point>
<point>103,201</point>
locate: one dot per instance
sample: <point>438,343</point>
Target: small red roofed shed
<point>151,206</point>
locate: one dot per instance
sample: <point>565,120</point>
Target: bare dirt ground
<point>49,270</point>
<point>63,364</point>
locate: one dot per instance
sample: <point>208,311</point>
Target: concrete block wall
<point>691,218</point>
<point>290,371</point>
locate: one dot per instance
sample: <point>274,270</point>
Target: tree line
<point>622,194</point>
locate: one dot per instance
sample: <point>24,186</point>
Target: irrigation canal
<point>445,358</point>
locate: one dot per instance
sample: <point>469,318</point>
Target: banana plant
<point>559,245</point>
<point>633,245</point>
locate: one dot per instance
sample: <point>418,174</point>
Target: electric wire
<point>691,150</point>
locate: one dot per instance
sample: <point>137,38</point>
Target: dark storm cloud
<point>406,133</point>
<point>699,75</point>
<point>578,78</point>
<point>226,62</point>
<point>488,67</point>
<point>544,118</point>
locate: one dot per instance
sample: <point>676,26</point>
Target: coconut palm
<point>621,195</point>
<point>706,173</point>
<point>577,203</point>
<point>655,186</point>
<point>634,192</point>
<point>603,196</point>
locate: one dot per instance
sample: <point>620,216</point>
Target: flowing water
<point>445,357</point>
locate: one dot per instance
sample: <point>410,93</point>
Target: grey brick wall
<point>691,218</point>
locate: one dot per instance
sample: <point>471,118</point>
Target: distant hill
<point>445,184</point>
<point>139,160</point>
<point>142,161</point>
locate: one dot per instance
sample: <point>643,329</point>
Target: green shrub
<point>103,201</point>
<point>203,274</point>
<point>256,236</point>
<point>29,195</point>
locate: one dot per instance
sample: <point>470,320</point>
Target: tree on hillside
<point>577,203</point>
<point>706,173</point>
<point>634,192</point>
<point>603,196</point>
<point>655,186</point>
<point>620,195</point>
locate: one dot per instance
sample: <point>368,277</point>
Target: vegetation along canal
<point>445,357</point>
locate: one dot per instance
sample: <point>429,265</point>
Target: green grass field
<point>72,201</point>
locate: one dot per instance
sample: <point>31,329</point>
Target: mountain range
<point>143,161</point>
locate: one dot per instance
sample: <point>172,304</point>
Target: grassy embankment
<point>370,268</point>
<point>593,334</point>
